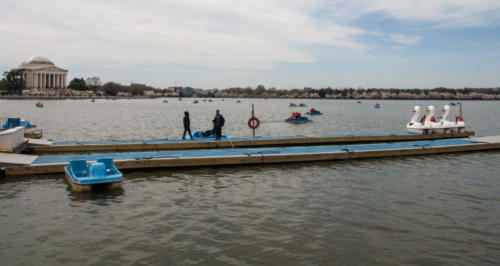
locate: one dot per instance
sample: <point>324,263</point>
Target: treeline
<point>13,83</point>
<point>358,93</point>
<point>109,88</point>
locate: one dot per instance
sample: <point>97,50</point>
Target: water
<point>421,210</point>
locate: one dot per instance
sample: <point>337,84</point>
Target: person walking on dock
<point>187,126</point>
<point>218,124</point>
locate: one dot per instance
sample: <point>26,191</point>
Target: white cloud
<point>224,33</point>
<point>404,39</point>
<point>213,33</point>
<point>439,13</point>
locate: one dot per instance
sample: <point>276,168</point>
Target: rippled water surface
<point>421,210</point>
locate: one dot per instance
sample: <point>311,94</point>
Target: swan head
<point>416,109</point>
<point>430,108</point>
<point>445,108</point>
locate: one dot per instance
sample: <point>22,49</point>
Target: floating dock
<point>179,144</point>
<point>193,158</point>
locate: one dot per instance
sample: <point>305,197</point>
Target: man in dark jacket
<point>187,125</point>
<point>218,124</point>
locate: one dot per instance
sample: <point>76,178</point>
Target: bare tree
<point>93,83</point>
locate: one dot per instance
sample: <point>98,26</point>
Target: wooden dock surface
<point>171,159</point>
<point>160,145</point>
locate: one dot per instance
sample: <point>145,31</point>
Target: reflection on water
<point>433,209</point>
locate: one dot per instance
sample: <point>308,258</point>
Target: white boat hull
<point>11,138</point>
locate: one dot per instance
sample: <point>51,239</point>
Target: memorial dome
<point>37,60</point>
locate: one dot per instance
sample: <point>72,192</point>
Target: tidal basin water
<point>418,210</point>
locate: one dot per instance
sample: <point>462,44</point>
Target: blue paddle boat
<point>84,177</point>
<point>377,105</point>
<point>209,134</point>
<point>39,104</point>
<point>15,122</point>
<point>30,130</point>
<point>296,118</point>
<point>313,111</point>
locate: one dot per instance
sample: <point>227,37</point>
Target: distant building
<point>307,89</point>
<point>41,73</point>
<point>187,90</point>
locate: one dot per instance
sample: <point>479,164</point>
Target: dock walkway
<point>192,158</point>
<point>179,144</point>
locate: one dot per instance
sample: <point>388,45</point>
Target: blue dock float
<point>240,156</point>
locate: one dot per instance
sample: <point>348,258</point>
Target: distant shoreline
<point>17,97</point>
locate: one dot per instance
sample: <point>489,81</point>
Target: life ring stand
<point>253,122</point>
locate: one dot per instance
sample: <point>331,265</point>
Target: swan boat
<point>428,124</point>
<point>85,177</point>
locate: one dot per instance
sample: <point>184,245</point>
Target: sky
<point>278,43</point>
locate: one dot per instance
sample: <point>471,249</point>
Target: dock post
<point>253,129</point>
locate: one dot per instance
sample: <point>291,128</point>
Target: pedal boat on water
<point>296,118</point>
<point>85,177</point>
<point>313,111</point>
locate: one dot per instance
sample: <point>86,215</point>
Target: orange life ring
<point>459,118</point>
<point>253,122</point>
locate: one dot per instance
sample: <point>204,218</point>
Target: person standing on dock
<point>218,124</point>
<point>187,126</point>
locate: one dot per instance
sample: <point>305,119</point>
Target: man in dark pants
<point>218,124</point>
<point>187,125</point>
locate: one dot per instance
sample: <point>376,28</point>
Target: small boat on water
<point>85,177</point>
<point>238,101</point>
<point>165,101</point>
<point>377,105</point>
<point>313,111</point>
<point>292,105</point>
<point>360,102</point>
<point>39,104</point>
<point>30,130</point>
<point>209,100</point>
<point>428,124</point>
<point>296,118</point>
<point>195,101</point>
<point>452,104</point>
<point>92,100</point>
<point>302,105</point>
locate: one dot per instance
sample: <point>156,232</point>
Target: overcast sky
<point>280,43</point>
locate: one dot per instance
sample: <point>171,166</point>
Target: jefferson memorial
<point>41,73</point>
